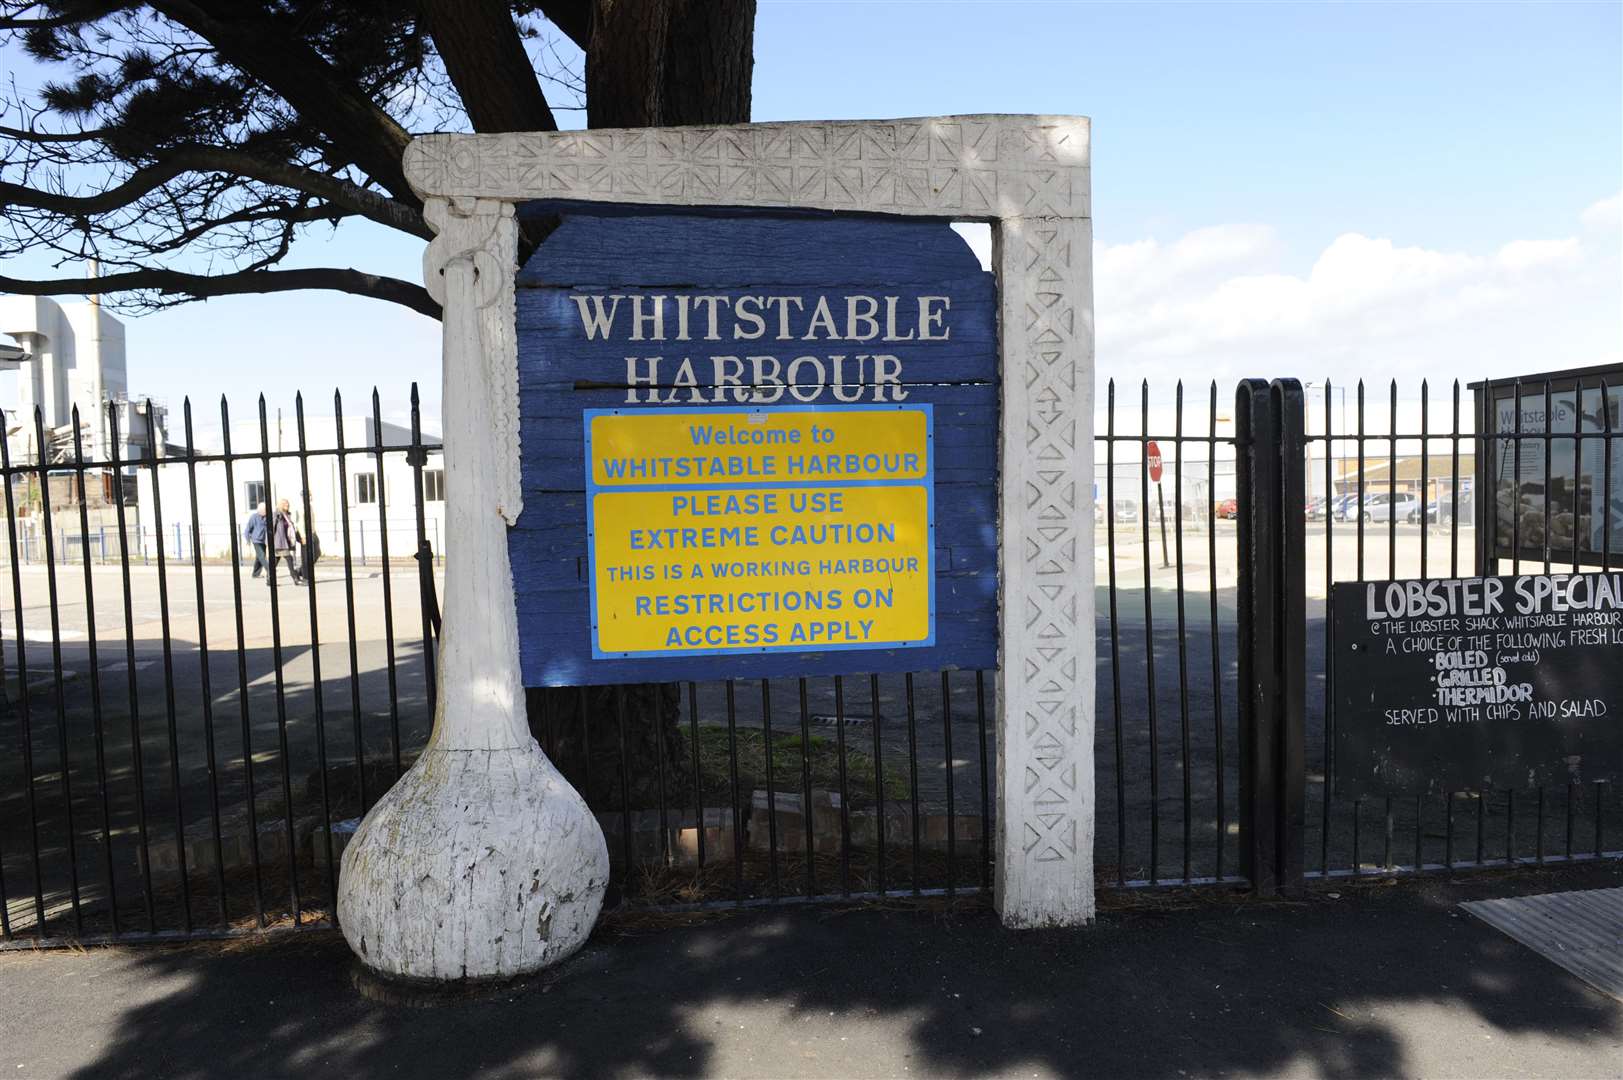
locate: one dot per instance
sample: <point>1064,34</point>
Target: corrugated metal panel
<point>1581,931</point>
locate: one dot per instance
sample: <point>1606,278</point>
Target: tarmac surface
<point>1348,980</point>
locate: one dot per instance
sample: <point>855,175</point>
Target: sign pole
<point>481,862</point>
<point>1161,512</point>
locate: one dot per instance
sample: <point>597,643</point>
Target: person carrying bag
<point>286,540</point>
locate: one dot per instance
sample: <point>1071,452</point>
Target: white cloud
<point>1147,266</point>
<point>1223,302</point>
<point>1526,254</point>
<point>1605,214</point>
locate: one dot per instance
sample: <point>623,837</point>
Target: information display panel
<point>1552,479</point>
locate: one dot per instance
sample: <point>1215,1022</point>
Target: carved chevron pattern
<point>972,166</point>
<point>1049,696</point>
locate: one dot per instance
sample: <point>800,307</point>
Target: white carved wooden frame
<point>1029,177</point>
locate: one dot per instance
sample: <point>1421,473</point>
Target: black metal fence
<point>1456,526</point>
<point>185,752</point>
<point>1167,744</point>
<point>778,790</point>
<point>179,744</point>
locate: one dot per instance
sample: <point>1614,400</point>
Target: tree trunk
<point>587,749</point>
<point>659,63</point>
<point>624,62</point>
<point>649,63</point>
<point>486,61</point>
<point>709,60</point>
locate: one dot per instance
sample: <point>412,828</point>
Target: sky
<point>1349,191</point>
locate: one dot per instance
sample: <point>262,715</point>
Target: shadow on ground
<point>1376,981</point>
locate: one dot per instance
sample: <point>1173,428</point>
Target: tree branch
<point>485,58</point>
<point>261,49</point>
<point>184,159</point>
<point>70,15</point>
<point>203,286</point>
<point>303,215</point>
<point>42,137</point>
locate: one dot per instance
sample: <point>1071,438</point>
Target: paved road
<point>280,709</point>
<point>387,671</point>
<point>1373,981</point>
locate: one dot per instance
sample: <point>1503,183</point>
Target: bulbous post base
<point>477,864</point>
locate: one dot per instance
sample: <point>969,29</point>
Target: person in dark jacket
<point>285,539</point>
<point>312,552</point>
<point>255,532</point>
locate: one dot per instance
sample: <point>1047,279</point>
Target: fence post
<point>1484,496</point>
<point>425,584</point>
<point>1289,407</point>
<point>1272,632</point>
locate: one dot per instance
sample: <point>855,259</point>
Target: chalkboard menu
<point>1466,684</point>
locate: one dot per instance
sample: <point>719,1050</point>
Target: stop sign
<point>1152,458</point>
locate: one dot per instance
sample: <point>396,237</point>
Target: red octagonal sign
<point>1152,458</point>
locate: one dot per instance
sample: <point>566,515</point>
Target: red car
<point>1228,509</point>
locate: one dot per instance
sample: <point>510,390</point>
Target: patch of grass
<point>784,874</point>
<point>788,752</point>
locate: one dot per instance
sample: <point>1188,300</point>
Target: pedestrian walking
<point>255,532</point>
<point>312,552</point>
<point>285,540</point>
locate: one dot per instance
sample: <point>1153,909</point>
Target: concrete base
<point>478,864</point>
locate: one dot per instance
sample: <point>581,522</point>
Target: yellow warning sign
<point>759,530</point>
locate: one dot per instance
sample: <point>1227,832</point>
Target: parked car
<point>1126,512</point>
<point>1345,508</point>
<point>1390,506</point>
<point>1228,509</point>
<point>1316,507</point>
<point>1438,512</point>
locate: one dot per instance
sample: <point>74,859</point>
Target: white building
<point>378,498</point>
<point>71,356</point>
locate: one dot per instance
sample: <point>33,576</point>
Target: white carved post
<point>482,861</point>
<point>1046,677</point>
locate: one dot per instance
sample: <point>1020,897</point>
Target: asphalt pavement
<point>1368,980</point>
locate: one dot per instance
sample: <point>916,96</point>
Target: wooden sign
<point>755,445</point>
<point>1446,685</point>
<point>848,300</point>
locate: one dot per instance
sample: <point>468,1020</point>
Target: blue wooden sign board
<point>642,334</point>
